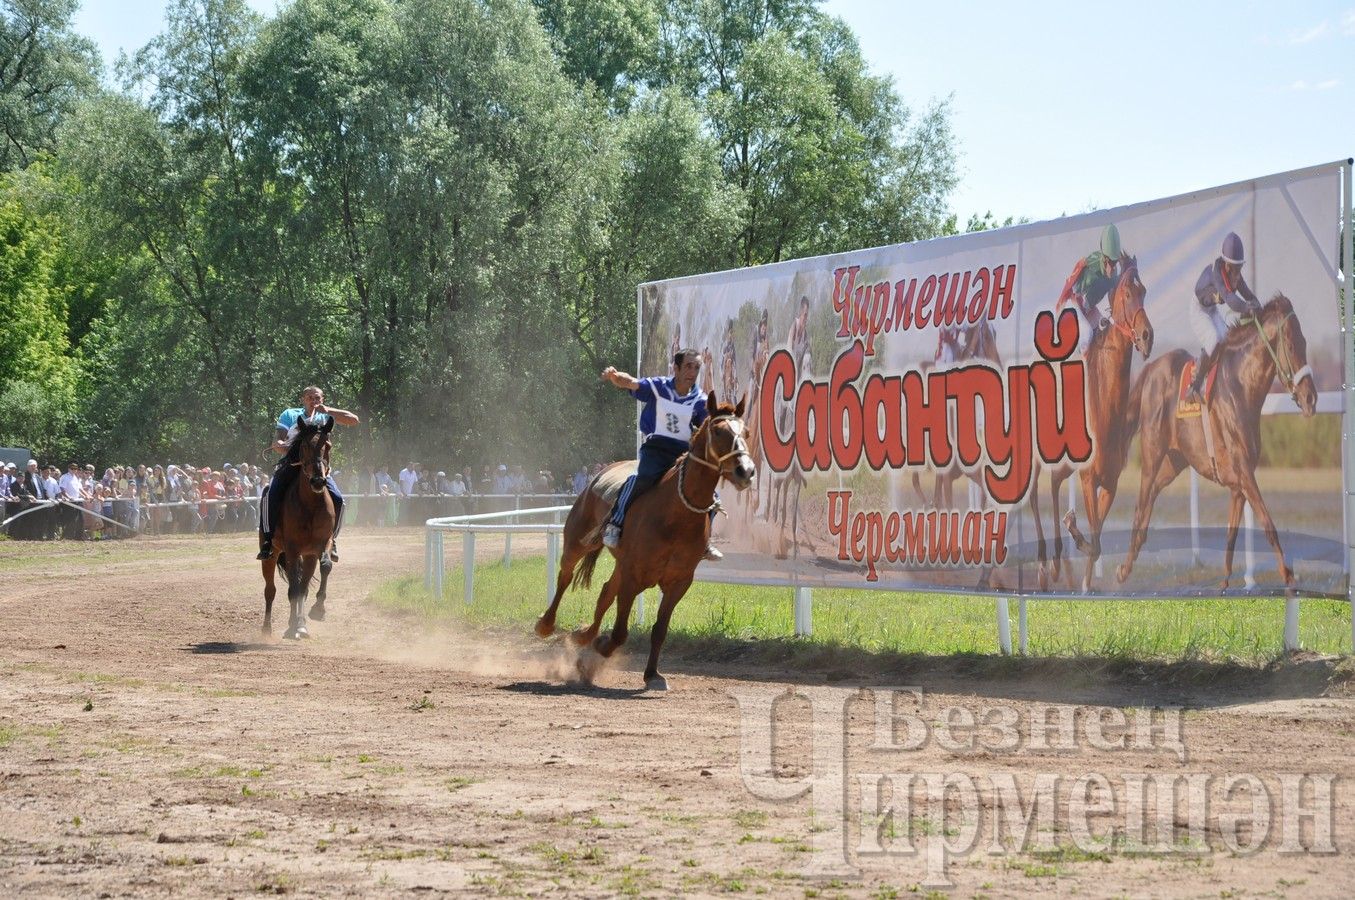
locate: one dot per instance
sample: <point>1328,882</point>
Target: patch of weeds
<point>747,838</point>
<point>690,863</point>
<point>394,853</point>
<point>457,782</point>
<point>885,892</point>
<point>278,884</point>
<point>750,818</point>
<point>255,835</point>
<point>77,822</point>
<point>1038,870</point>
<point>366,758</point>
<point>1070,854</point>
<point>184,860</point>
<point>89,705</point>
<point>422,704</point>
<point>633,881</point>
<point>8,735</point>
<point>734,886</point>
<point>322,845</point>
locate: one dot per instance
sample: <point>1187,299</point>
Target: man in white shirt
<point>70,490</point>
<point>409,478</point>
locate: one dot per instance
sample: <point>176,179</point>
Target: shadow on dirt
<point>1096,680</point>
<point>229,647</point>
<point>576,689</point>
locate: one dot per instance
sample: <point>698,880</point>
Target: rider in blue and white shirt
<point>313,409</point>
<point>674,408</point>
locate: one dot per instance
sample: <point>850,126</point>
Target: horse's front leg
<point>302,570</point>
<point>671,595</point>
<point>317,611</point>
<point>270,590</point>
<point>584,636</point>
<point>608,644</point>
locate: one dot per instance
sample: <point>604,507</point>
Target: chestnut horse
<point>1107,360</point>
<point>1250,358</point>
<point>666,532</point>
<point>301,537</point>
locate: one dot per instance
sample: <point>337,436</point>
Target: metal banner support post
<point>1022,634</point>
<point>803,607</point>
<point>1348,340</point>
<point>1004,627</point>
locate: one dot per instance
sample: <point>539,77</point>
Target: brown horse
<point>1250,358</point>
<point>301,538</point>
<point>1107,359</point>
<point>667,529</point>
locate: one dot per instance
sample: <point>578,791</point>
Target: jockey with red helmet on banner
<point>1223,298</point>
<point>1092,279</point>
<point>673,410</point>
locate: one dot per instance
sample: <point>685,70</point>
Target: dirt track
<point>152,744</point>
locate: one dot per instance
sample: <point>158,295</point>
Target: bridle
<point>322,458</point>
<point>1284,368</point>
<point>737,448</point>
<point>1127,330</point>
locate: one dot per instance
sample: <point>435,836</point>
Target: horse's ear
<point>738,409</point>
<point>328,426</point>
<point>711,404</point>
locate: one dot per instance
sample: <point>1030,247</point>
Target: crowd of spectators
<point>200,499</point>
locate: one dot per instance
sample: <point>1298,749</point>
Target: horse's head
<point>1289,351</point>
<point>310,449</point>
<point>1126,306</point>
<point>726,444</point>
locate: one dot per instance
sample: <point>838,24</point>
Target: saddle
<point>1190,408</point>
<point>607,485</point>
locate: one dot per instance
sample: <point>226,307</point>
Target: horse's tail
<point>583,575</point>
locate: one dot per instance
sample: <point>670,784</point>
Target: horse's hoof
<point>603,645</point>
<point>1069,519</point>
<point>266,631</point>
<point>657,683</point>
<point>1223,585</point>
<point>1121,573</point>
<point>289,634</point>
<point>317,613</point>
<point>543,628</point>
<point>1044,578</point>
<point>301,632</point>
<point>580,638</point>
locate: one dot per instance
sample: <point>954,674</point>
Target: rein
<point>1288,376</point>
<point>717,465</point>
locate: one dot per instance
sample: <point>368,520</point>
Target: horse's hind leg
<point>1234,517</point>
<point>607,644</point>
<point>270,590</point>
<point>300,574</point>
<point>1168,467</point>
<point>317,611</point>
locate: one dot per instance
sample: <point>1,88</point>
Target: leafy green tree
<point>610,44</point>
<point>44,69</point>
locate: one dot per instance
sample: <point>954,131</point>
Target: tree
<point>44,69</point>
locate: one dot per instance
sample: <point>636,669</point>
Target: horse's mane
<point>293,454</point>
<point>1277,305</point>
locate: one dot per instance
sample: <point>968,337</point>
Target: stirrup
<point>713,554</point>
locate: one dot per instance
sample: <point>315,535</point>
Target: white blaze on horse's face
<point>743,470</point>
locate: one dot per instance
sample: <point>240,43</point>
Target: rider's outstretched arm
<point>619,379</point>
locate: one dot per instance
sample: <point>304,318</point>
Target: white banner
<point>923,413</point>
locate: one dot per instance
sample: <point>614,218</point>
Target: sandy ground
<point>153,744</point>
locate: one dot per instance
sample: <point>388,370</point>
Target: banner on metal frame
<point>1018,411</point>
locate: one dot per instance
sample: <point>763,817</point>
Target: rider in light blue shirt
<point>314,409</point>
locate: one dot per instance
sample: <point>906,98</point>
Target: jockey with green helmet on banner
<point>1092,279</point>
<point>314,410</point>
<point>673,409</point>
<point>1222,299</point>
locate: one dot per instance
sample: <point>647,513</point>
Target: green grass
<point>1247,631</point>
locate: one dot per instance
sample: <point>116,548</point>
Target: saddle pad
<point>1189,409</point>
<point>609,481</point>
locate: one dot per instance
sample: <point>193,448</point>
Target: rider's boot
<point>1195,394</point>
<point>265,548</point>
<point>713,554</point>
<point>334,550</point>
<point>611,535</point>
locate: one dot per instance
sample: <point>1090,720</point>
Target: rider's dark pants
<point>271,502</point>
